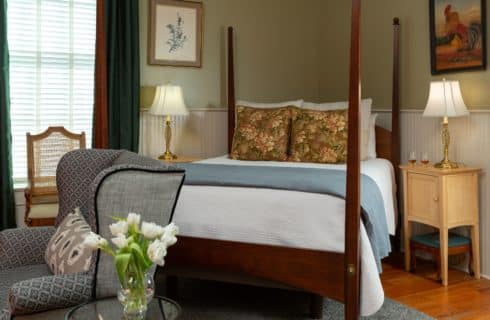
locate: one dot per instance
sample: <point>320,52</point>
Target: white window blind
<point>52,57</point>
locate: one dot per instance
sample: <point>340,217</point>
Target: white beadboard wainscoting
<point>203,133</point>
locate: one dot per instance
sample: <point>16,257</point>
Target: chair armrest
<point>50,292</point>
<point>23,246</point>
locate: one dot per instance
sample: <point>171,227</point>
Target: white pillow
<point>371,150</point>
<point>295,103</point>
<point>366,105</point>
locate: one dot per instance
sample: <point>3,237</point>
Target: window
<point>52,58</point>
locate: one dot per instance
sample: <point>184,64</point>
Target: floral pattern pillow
<point>261,134</point>
<point>319,136</point>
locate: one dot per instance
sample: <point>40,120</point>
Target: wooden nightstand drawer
<point>423,198</point>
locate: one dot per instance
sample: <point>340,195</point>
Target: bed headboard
<point>387,142</point>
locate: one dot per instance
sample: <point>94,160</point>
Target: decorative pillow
<point>366,106</point>
<point>261,134</point>
<point>65,253</point>
<point>319,136</point>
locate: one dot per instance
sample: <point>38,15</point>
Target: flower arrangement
<point>138,246</point>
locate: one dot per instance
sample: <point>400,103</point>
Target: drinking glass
<point>412,158</point>
<point>424,158</point>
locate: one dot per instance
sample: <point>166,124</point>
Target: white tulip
<point>168,239</point>
<point>134,219</point>
<point>94,241</point>
<point>169,234</point>
<point>120,241</point>
<point>157,250</point>
<point>119,228</point>
<point>151,230</point>
<point>172,229</point>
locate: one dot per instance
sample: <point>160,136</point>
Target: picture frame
<point>175,36</point>
<point>457,35</point>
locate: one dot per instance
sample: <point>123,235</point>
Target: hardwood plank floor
<point>464,298</point>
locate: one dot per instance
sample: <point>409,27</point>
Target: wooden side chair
<point>44,151</point>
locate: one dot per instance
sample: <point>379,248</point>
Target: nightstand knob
<point>436,199</point>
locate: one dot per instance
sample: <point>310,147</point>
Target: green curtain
<point>123,73</point>
<point>7,203</point>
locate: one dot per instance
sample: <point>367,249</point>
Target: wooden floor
<point>464,298</point>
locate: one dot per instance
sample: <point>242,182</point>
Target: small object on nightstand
<point>424,158</point>
<point>169,101</point>
<point>182,159</point>
<point>412,158</point>
<point>443,199</point>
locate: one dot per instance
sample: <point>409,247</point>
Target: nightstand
<point>182,159</point>
<point>443,199</point>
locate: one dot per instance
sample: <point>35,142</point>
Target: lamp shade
<point>168,101</point>
<point>445,100</point>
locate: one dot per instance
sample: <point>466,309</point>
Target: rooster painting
<point>458,41</point>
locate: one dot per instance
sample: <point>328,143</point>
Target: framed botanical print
<point>458,35</point>
<point>175,33</point>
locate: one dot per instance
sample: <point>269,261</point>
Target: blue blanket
<point>324,181</point>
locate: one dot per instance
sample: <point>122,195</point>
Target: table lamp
<point>446,101</point>
<point>168,101</point>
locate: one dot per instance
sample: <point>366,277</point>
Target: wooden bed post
<point>353,206</point>
<point>395,122</point>
<point>231,89</point>
<point>395,114</point>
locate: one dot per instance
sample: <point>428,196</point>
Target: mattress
<point>286,218</point>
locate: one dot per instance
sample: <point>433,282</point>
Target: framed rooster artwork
<point>458,35</point>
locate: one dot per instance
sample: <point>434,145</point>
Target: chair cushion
<point>9,277</point>
<point>65,253</point>
<point>43,211</point>
<point>432,240</point>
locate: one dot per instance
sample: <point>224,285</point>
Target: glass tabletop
<point>111,309</point>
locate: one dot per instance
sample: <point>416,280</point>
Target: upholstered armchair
<point>102,183</point>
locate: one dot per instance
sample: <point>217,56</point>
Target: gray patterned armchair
<point>102,183</point>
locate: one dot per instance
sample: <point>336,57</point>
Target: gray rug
<point>218,301</point>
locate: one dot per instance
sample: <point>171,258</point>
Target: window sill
<point>20,184</point>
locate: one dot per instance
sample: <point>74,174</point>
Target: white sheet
<point>285,218</point>
<point>380,170</point>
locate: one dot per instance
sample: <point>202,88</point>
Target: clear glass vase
<point>135,294</point>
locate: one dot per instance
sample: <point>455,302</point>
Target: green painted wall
<point>277,52</point>
<point>289,49</point>
<point>377,57</point>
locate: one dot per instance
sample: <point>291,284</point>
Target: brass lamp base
<point>167,156</point>
<point>446,140</point>
<point>446,164</point>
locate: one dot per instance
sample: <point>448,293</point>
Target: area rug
<point>203,300</point>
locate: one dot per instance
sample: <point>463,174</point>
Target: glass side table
<point>111,309</point>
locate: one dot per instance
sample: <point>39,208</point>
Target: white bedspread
<point>285,218</point>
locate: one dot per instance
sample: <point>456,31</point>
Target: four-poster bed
<point>321,273</point>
